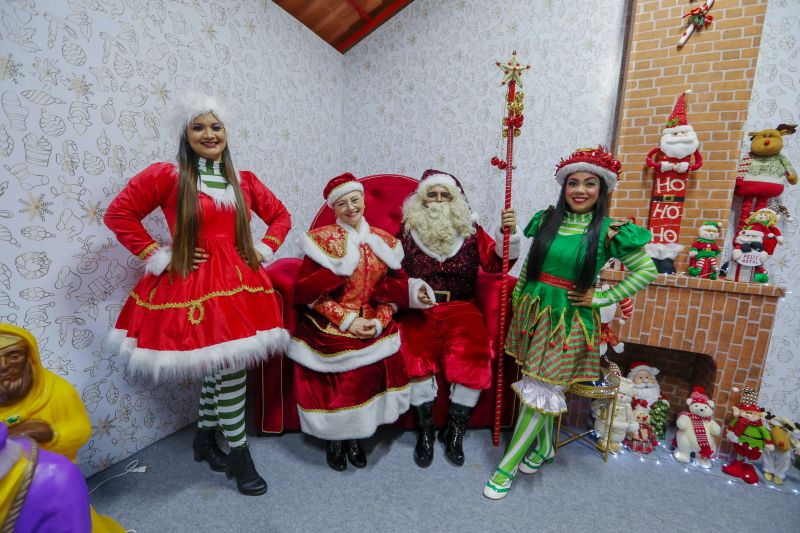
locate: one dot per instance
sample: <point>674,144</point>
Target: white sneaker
<point>497,491</point>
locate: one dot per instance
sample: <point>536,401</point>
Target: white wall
<point>776,100</point>
<point>424,92</point>
<point>84,86</point>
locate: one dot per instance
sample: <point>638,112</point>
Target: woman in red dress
<point>204,307</point>
<point>350,377</point>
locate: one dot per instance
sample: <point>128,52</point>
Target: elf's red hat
<point>599,161</point>
<point>339,186</point>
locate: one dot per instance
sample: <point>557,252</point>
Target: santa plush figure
<point>677,154</point>
<point>647,389</point>
<point>748,257</point>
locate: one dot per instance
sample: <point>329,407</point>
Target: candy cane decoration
<point>511,128</point>
<point>698,18</point>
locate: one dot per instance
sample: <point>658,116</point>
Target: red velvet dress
<point>222,315</point>
<point>345,386</point>
<point>453,333</point>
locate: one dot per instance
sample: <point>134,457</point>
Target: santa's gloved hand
<point>682,167</point>
<point>732,436</point>
<point>666,166</point>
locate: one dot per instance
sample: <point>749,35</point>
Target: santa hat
<point>339,186</point>
<point>192,104</point>
<point>677,121</point>
<point>749,399</point>
<point>638,404</point>
<point>698,396</point>
<point>641,365</point>
<point>598,161</point>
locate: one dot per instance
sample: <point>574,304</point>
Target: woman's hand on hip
<point>581,299</point>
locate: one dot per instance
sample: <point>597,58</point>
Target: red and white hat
<point>749,399</point>
<point>677,121</point>
<point>433,177</point>
<point>641,365</point>
<point>598,161</point>
<point>698,396</point>
<point>339,186</point>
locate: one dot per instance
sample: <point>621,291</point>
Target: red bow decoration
<point>699,17</point>
<point>515,121</point>
<point>638,402</point>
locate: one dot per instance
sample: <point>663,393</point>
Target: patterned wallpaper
<point>776,100</point>
<point>424,92</point>
<point>84,86</point>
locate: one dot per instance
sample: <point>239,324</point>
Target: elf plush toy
<point>766,221</point>
<point>763,172</point>
<point>608,315</point>
<point>749,435</point>
<point>704,254</point>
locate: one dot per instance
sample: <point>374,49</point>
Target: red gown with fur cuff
<point>452,334</point>
<point>222,315</point>
<point>345,386</point>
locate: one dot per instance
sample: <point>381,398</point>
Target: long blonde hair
<point>189,217</point>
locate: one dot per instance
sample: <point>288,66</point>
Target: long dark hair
<point>188,218</point>
<point>548,228</point>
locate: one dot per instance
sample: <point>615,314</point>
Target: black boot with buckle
<point>335,455</point>
<point>241,467</point>
<point>205,448</point>
<point>355,454</point>
<point>453,434</point>
<point>423,452</point>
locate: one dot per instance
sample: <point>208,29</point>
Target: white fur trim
<point>222,199</point>
<point>423,391</point>
<point>378,327</point>
<point>541,396</point>
<point>678,129</point>
<point>413,288</point>
<point>582,166</point>
<point>653,370</point>
<point>359,422</point>
<point>191,104</point>
<point>344,266</point>
<point>514,243</point>
<point>266,252</point>
<point>158,261</point>
<point>341,190</point>
<point>662,250</point>
<point>464,395</point>
<point>301,353</point>
<point>349,318</point>
<point>430,253</point>
<point>438,179</point>
<point>180,364</point>
<point>9,456</point>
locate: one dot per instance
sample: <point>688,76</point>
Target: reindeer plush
<point>786,436</point>
<point>763,172</point>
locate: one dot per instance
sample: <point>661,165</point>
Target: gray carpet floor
<point>576,493</point>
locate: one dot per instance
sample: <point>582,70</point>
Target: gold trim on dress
<point>196,311</point>
<point>354,407</point>
<point>337,354</point>
<point>144,253</point>
<point>272,238</point>
<point>329,329</point>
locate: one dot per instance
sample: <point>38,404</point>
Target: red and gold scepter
<point>512,123</point>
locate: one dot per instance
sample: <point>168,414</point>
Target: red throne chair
<point>275,408</point>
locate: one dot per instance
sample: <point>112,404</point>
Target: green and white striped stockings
<point>531,426</point>
<point>222,405</point>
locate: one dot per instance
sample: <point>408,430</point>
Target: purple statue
<point>55,499</point>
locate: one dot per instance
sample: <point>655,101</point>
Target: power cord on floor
<point>133,466</point>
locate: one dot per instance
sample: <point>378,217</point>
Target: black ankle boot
<point>241,467</point>
<point>453,434</point>
<point>423,451</point>
<point>355,454</point>
<point>335,455</point>
<point>205,448</point>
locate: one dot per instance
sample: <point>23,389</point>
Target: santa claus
<point>672,161</point>
<point>647,389</point>
<point>445,247</point>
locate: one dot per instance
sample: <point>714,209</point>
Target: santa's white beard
<point>439,225</point>
<point>679,146</point>
<point>648,392</point>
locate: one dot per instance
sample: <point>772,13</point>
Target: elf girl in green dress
<point>555,326</point>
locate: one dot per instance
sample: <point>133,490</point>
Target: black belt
<point>441,296</point>
<point>668,198</point>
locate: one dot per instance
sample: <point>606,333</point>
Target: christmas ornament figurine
<point>704,255</point>
<point>617,422</point>
<point>646,388</point>
<point>643,440</point>
<point>748,257</point>
<point>697,433</point>
<point>763,172</point>
<point>749,435</point>
<point>786,436</point>
<point>672,161</point>
<point>698,18</point>
<point>608,315</point>
<point>766,221</point>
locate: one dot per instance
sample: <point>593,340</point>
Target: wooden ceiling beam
<point>361,11</point>
<point>376,21</point>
